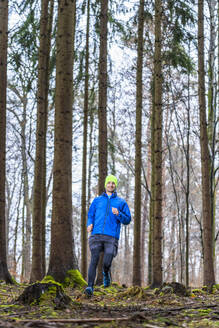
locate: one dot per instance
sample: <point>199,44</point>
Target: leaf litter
<point>115,306</point>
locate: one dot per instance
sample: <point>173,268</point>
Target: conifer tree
<point>84,160</point>
<point>102,109</point>
<point>209,278</point>
<point>4,273</point>
<point>62,254</point>
<point>157,153</point>
<point>102,99</point>
<point>39,196</point>
<point>138,146</point>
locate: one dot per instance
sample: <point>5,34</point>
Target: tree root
<point>135,292</point>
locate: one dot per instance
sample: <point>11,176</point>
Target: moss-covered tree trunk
<point>138,157</point>
<point>209,277</point>
<point>39,193</point>
<point>4,273</point>
<point>62,255</point>
<point>157,161</point>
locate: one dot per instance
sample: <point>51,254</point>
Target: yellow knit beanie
<point>111,178</point>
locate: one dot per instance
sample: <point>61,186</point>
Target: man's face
<point>110,187</point>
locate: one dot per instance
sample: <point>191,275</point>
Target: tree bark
<point>84,160</point>
<point>102,106</point>
<point>212,110</point>
<point>4,273</point>
<point>27,198</point>
<point>138,157</point>
<point>102,110</point>
<point>187,154</point>
<point>39,194</point>
<point>151,209</point>
<point>16,234</point>
<point>157,210</point>
<point>209,278</point>
<point>62,255</point>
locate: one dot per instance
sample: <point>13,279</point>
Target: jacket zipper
<point>108,205</point>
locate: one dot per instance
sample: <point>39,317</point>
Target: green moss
<point>74,279</point>
<point>215,288</point>
<point>48,296</point>
<point>117,286</point>
<point>50,279</point>
<point>204,311</point>
<point>111,290</point>
<point>49,293</point>
<point>99,293</point>
<point>205,323</point>
<point>54,314</point>
<point>14,281</point>
<point>198,291</point>
<point>15,306</point>
<point>156,291</point>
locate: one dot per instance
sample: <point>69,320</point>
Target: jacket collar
<point>112,196</point>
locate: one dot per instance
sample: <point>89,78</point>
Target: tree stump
<point>39,293</point>
<point>173,288</point>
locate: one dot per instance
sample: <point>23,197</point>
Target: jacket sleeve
<point>124,214</point>
<point>91,213</point>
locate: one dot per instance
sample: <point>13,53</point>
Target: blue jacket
<point>101,216</point>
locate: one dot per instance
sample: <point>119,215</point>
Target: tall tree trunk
<point>102,109</point>
<point>143,235</point>
<point>46,187</point>
<point>151,209</point>
<point>4,273</point>
<point>187,154</point>
<point>84,160</point>
<point>90,155</point>
<point>16,233</point>
<point>27,198</point>
<point>212,119</point>
<point>172,249</point>
<point>138,156</point>
<point>39,194</point>
<point>111,145</point>
<point>146,213</point>
<point>209,277</point>
<point>22,278</point>
<point>8,200</point>
<point>102,106</point>
<point>62,255</point>
<point>126,264</point>
<point>157,215</point>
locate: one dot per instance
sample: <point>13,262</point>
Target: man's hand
<point>115,211</point>
<point>90,228</point>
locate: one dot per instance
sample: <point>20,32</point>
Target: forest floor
<point>115,306</point>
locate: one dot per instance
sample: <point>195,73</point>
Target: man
<point>105,216</point>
